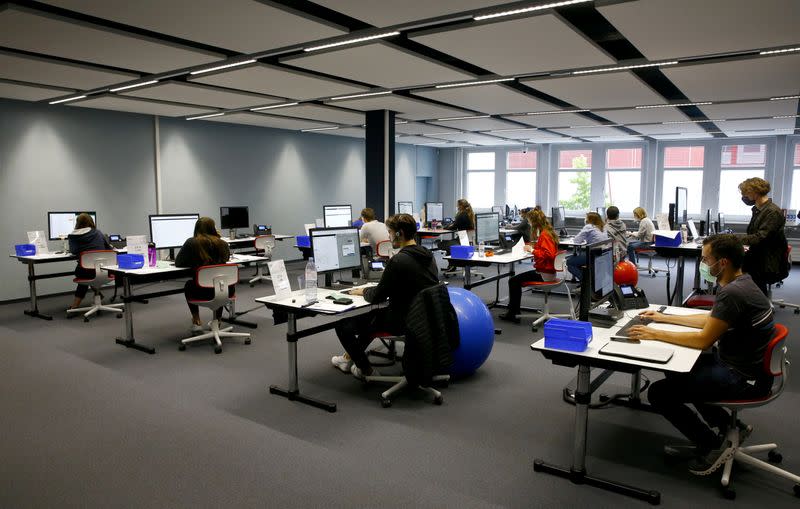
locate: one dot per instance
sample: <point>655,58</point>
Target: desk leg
<point>233,318</point>
<point>293,393</point>
<point>467,276</point>
<point>577,472</point>
<point>34,310</point>
<point>129,341</point>
<point>679,280</point>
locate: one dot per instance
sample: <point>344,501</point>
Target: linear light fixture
<point>784,98</point>
<point>206,116</point>
<point>355,96</point>
<point>135,85</point>
<point>440,134</point>
<point>474,83</point>
<point>351,41</point>
<point>593,126</point>
<point>776,51</point>
<point>319,129</point>
<point>625,67</point>
<point>226,66</point>
<point>692,121</point>
<point>556,112</point>
<point>787,116</point>
<point>514,130</point>
<point>470,117</point>
<point>398,122</point>
<point>59,101</point>
<point>651,106</point>
<point>273,106</point>
<point>529,9</point>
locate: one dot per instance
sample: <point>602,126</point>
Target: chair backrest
<point>98,258</point>
<point>384,249</point>
<point>265,243</point>
<point>208,276</point>
<point>560,262</point>
<point>775,356</point>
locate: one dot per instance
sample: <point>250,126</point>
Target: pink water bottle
<point>151,254</point>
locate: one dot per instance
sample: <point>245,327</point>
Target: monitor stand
<point>605,317</point>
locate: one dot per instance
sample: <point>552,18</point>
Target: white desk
<point>681,362</point>
<point>508,259</point>
<point>249,241</point>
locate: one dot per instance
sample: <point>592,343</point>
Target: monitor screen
<point>171,230</point>
<point>602,212</point>
<point>405,207</point>
<point>434,211</point>
<point>600,260</point>
<point>558,218</point>
<point>336,216</point>
<point>681,197</point>
<point>62,223</point>
<point>487,227</point>
<point>335,248</point>
<point>721,219</point>
<point>234,217</point>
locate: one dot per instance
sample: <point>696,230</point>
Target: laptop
<point>639,351</point>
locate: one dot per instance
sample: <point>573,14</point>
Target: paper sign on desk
<point>519,247</point>
<point>463,238</point>
<point>38,239</point>
<point>137,244</point>
<point>280,280</point>
<point>308,227</point>
<point>415,215</point>
<point>662,221</point>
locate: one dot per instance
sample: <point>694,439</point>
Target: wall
<point>412,161</point>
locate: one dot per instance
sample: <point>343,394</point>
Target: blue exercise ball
<point>476,328</point>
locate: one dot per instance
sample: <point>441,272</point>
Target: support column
<point>379,173</point>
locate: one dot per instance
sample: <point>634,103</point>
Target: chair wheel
<point>119,315</point>
<point>797,311</point>
<point>182,347</point>
<point>534,328</point>
<point>774,456</point>
<point>386,403</point>
<point>247,341</point>
<point>797,490</point>
<point>729,493</point>
<point>782,306</point>
<point>252,285</point>
<point>438,400</point>
<point>85,320</point>
<point>217,349</point>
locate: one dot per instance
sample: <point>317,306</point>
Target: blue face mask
<point>705,273</point>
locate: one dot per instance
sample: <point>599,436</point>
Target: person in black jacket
<point>85,237</point>
<point>465,217</point>
<point>766,258</point>
<point>407,273</point>
<point>204,248</point>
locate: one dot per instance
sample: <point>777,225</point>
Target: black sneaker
<point>704,465</point>
<point>509,317</point>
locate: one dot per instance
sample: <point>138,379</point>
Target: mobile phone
<point>662,309</point>
<point>623,339</point>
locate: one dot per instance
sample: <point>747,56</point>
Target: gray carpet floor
<point>88,423</point>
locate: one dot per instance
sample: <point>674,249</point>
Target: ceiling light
<point>624,67</point>
<point>776,51</point>
<point>784,98</point>
<point>206,116</point>
<point>68,99</point>
<point>368,94</point>
<point>672,105</point>
<point>436,143</point>
<point>440,134</point>
<point>462,118</point>
<point>351,41</point>
<point>474,83</point>
<point>319,129</point>
<point>515,130</point>
<point>273,106</point>
<point>529,9</point>
<point>787,116</point>
<point>556,112</point>
<point>226,66</point>
<point>593,126</point>
<point>398,122</point>
<point>136,85</point>
<point>692,121</point>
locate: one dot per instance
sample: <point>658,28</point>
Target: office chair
<point>650,253</point>
<point>95,260</point>
<point>775,365</point>
<point>546,287</point>
<point>782,302</point>
<point>264,244</point>
<point>220,278</point>
<point>383,251</point>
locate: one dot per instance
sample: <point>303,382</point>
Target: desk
<point>682,361</point>
<point>245,242</point>
<point>568,242</point>
<point>499,260</point>
<point>293,307</point>
<point>690,249</point>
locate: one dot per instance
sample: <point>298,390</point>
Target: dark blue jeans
<point>575,264</point>
<point>633,246</point>
<point>709,380</point>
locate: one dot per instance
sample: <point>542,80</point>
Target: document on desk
<point>137,244</point>
<point>327,306</point>
<point>519,248</point>
<point>280,280</point>
<point>463,238</point>
<point>39,240</point>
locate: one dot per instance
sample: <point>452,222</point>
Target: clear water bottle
<point>481,249</point>
<point>151,254</point>
<point>311,281</point>
<point>684,234</point>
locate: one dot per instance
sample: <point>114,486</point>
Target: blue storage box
<point>25,249</point>
<point>667,238</point>
<point>571,335</point>
<point>461,251</point>
<point>303,241</point>
<point>130,261</point>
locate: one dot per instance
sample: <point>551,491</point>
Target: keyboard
<point>501,251</point>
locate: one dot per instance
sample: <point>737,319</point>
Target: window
<point>574,179</point>
<point>683,167</point>
<point>623,178</point>
<point>795,198</point>
<point>480,179</point>
<point>739,163</point>
<point>521,179</point>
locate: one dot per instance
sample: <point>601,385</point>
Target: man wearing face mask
<point>741,323</point>
<point>766,260</point>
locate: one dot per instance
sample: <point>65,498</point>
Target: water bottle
<point>269,230</point>
<point>684,234</point>
<point>151,254</point>
<point>311,281</point>
<point>481,249</point>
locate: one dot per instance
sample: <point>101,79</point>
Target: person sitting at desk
<point>464,220</point>
<point>372,231</point>
<point>741,323</point>
<point>644,237</point>
<point>523,229</point>
<point>85,237</point>
<point>544,255</point>
<point>204,248</point>
<point>616,229</point>
<point>407,273</point>
<point>592,232</point>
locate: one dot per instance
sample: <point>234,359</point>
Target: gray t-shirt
<point>749,315</point>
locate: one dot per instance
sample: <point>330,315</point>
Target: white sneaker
<point>196,329</point>
<point>342,362</point>
<point>358,374</point>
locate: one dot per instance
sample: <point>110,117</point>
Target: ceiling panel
<point>478,139</point>
<point>605,90</point>
<point>415,140</point>
<point>651,115</point>
<point>52,72</point>
<point>418,128</point>
<point>758,78</point>
<point>378,64</point>
<point>751,109</point>
<point>279,82</point>
<point>22,29</point>
<point>668,129</point>
<point>681,28</point>
<point>394,13</point>
<point>527,45</point>
<point>323,113</point>
<point>492,99</point>
<point>613,139</point>
<point>191,93</point>
<point>477,124</point>
<point>246,26</point>
<point>590,131</point>
<point>412,109</point>
<point>519,134</point>
<point>689,136</point>
<point>9,90</point>
<point>555,120</point>
<point>752,125</point>
<point>350,132</point>
<point>267,121</point>
<point>110,102</point>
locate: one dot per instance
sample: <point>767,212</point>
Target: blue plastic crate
<point>25,249</point>
<point>461,251</point>
<point>663,241</point>
<point>303,241</point>
<point>571,335</point>
<point>130,261</point>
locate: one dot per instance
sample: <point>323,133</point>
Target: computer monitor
<point>434,211</point>
<point>508,211</point>
<point>498,209</point>
<point>168,231</point>
<point>62,223</point>
<point>335,216</point>
<point>487,227</point>
<point>597,284</point>
<point>681,198</point>
<point>231,218</point>
<point>721,219</point>
<point>335,248</point>
<point>405,207</point>
<point>602,212</point>
<point>708,228</point>
<point>558,218</point>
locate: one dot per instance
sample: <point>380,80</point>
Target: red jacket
<point>544,254</point>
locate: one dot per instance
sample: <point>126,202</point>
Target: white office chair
<point>95,260</point>
<point>546,287</point>
<point>220,278</point>
<point>264,244</point>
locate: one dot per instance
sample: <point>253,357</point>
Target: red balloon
<point>625,273</point>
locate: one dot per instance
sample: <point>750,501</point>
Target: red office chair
<point>96,259</point>
<point>548,286</point>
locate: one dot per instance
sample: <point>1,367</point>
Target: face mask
<point>747,201</point>
<point>705,273</point>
